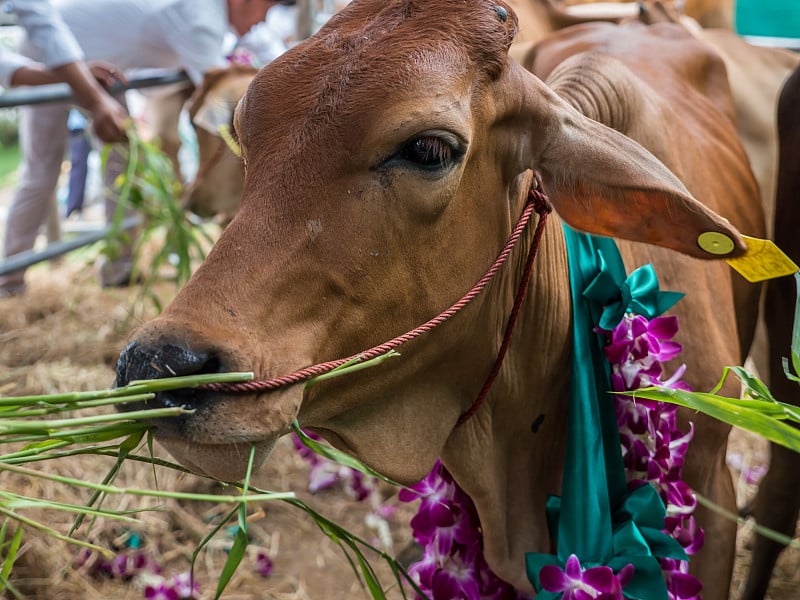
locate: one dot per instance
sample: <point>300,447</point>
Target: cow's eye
<point>428,152</point>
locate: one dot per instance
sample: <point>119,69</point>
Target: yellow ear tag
<point>714,242</point>
<point>763,260</point>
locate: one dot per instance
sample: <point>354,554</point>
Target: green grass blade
<point>54,426</point>
<point>337,456</point>
<point>242,539</point>
<point>5,584</point>
<point>754,387</point>
<point>727,410</point>
<point>261,497</point>
<point>345,539</point>
<point>759,529</point>
<point>14,501</point>
<point>370,578</point>
<point>356,364</point>
<point>11,553</point>
<point>53,533</point>
<point>209,536</point>
<point>796,328</point>
<point>124,449</point>
<point>235,556</point>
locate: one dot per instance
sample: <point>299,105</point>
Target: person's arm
<point>16,69</point>
<point>60,52</point>
<point>32,74</point>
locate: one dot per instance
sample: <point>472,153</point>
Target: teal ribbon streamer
<point>596,518</point>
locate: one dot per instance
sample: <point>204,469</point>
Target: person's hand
<point>106,73</point>
<point>109,119</point>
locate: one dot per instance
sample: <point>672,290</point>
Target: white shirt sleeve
<point>46,31</point>
<point>9,63</point>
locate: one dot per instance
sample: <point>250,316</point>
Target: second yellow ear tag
<point>763,260</point>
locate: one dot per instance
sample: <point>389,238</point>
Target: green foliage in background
<point>149,189</point>
<point>9,127</point>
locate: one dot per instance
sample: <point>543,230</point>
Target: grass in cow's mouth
<point>35,429</point>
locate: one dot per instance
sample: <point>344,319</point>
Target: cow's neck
<point>507,469</point>
<point>508,457</point>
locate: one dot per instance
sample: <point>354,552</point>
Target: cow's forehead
<point>372,56</point>
<point>482,28</point>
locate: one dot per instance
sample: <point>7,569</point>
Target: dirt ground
<point>65,335</point>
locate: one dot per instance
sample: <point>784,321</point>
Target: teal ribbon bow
<point>596,518</point>
<point>637,293</point>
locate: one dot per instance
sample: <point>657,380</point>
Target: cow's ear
<point>602,182</point>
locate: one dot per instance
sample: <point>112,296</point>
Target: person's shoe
<point>116,273</point>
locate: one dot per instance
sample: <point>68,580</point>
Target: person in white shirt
<point>131,34</point>
<point>60,60</point>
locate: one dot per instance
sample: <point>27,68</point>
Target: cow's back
<point>756,76</point>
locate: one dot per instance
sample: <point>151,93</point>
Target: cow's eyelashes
<point>428,152</point>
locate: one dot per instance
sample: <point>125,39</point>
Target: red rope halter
<point>536,201</point>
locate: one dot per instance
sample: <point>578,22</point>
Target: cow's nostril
<point>138,361</point>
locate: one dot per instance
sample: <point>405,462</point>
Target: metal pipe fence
<point>23,260</point>
<point>61,92</point>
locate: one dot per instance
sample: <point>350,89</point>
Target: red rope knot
<point>541,203</point>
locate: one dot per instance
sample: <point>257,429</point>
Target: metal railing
<point>61,92</point>
<point>23,260</point>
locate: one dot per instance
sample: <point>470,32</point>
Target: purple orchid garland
<point>446,525</point>
<point>653,447</point>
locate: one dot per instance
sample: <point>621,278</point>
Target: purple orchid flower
<point>263,563</point>
<point>577,583</point>
<point>178,587</point>
<point>447,526</point>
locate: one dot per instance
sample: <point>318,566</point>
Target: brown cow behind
<point>217,185</point>
<point>387,159</point>
<point>708,13</point>
<point>756,76</point>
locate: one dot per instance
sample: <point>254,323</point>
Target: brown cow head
<point>387,159</point>
<point>217,188</point>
